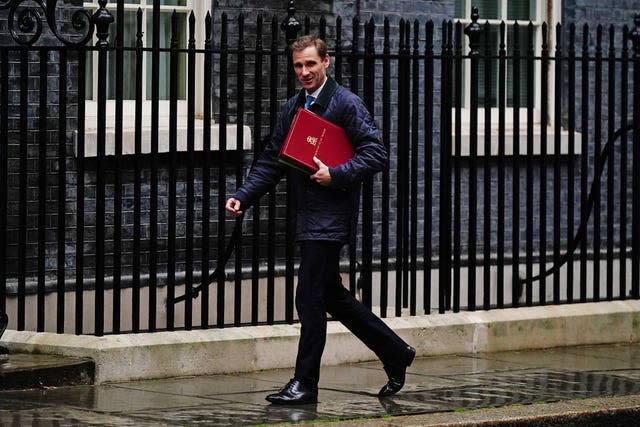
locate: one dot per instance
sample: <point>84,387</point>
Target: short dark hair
<point>306,41</point>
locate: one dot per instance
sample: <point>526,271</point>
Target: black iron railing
<point>113,208</point>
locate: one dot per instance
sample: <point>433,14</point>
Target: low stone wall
<point>214,351</point>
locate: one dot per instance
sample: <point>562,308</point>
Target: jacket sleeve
<point>370,153</point>
<point>267,170</point>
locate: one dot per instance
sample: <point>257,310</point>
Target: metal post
<point>474,32</point>
<point>102,19</point>
<point>291,26</point>
<point>635,212</point>
<point>445,171</point>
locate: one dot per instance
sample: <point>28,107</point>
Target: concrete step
<point>27,371</point>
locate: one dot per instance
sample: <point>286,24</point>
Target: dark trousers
<point>320,291</point>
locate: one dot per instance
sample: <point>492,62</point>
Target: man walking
<point>326,213</point>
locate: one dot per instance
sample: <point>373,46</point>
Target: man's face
<point>310,69</point>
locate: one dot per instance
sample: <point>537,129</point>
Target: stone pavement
<point>586,385</point>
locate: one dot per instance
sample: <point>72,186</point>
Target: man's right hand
<point>233,207</point>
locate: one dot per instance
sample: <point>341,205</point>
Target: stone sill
<point>129,133</point>
<point>509,143</point>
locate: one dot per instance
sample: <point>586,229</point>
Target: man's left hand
<point>322,176</point>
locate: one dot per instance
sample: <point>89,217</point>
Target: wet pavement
<point>24,371</point>
<point>477,389</point>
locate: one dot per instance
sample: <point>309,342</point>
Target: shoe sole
<point>292,403</point>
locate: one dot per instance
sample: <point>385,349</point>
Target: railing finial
<point>473,31</point>
<point>290,25</point>
<point>102,19</point>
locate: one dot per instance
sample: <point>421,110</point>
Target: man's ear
<point>326,61</point>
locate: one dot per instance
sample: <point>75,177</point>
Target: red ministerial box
<point>311,135</point>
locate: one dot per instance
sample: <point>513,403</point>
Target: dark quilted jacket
<point>322,213</point>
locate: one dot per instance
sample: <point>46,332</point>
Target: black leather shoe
<point>294,393</point>
<point>397,373</point>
